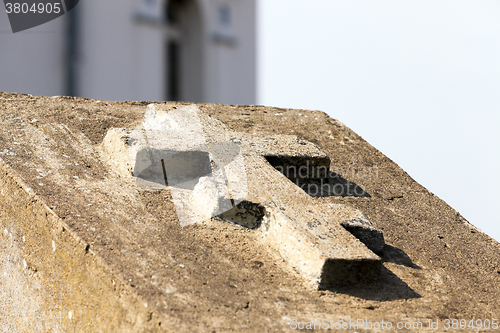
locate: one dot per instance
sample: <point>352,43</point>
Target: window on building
<point>172,71</point>
<point>183,48</point>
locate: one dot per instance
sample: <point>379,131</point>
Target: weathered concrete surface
<point>84,250</point>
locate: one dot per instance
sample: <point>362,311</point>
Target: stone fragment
<point>205,197</point>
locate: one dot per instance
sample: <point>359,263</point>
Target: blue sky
<point>419,80</point>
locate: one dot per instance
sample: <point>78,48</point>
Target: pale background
<point>419,80</point>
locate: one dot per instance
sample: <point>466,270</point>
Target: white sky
<point>419,80</point>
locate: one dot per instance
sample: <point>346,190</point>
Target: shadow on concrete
<point>334,185</point>
<point>387,287</point>
<point>313,175</point>
<point>397,256</point>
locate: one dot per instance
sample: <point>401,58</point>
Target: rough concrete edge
<point>131,296</point>
<point>310,261</point>
<point>362,228</point>
<point>294,248</point>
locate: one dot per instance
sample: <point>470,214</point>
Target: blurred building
<point>191,50</point>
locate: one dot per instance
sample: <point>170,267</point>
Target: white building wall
<point>231,67</point>
<point>122,58</point>
<point>32,61</point>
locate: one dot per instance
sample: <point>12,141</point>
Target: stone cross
<point>330,244</point>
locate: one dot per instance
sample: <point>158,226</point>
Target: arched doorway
<point>183,51</point>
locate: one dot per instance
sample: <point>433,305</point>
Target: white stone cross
<point>309,233</point>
